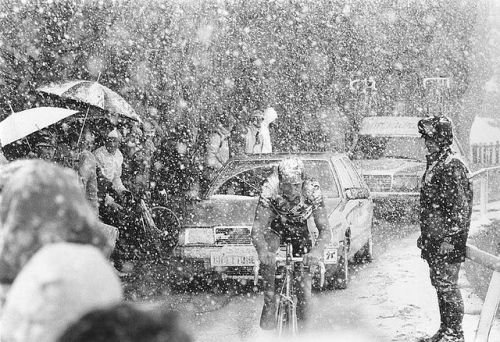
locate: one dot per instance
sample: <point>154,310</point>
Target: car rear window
<point>320,170</point>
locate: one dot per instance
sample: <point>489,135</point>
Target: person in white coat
<point>270,116</point>
<point>258,137</point>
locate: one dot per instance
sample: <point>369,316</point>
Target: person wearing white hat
<point>110,161</point>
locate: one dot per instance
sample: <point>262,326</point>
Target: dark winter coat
<point>445,206</point>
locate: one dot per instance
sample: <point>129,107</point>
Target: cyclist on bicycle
<point>288,198</point>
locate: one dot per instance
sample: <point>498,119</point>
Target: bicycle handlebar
<point>280,259</point>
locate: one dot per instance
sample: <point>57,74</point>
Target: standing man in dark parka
<point>445,211</point>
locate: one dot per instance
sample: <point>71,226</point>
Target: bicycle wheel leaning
<point>168,225</point>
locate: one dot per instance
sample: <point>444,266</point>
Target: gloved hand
<point>446,247</point>
<point>311,258</point>
<point>267,258</point>
<point>419,242</point>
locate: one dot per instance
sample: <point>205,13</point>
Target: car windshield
<point>370,147</point>
<point>245,178</point>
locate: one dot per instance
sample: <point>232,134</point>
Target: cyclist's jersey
<point>310,199</point>
<point>291,218</point>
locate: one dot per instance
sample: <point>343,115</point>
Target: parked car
<point>214,240</point>
<point>390,155</point>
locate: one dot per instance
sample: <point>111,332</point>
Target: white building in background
<point>485,141</point>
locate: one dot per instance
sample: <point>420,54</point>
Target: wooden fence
<point>485,154</point>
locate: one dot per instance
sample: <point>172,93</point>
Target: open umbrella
<point>92,93</point>
<point>19,125</point>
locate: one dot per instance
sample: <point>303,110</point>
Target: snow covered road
<point>390,299</point>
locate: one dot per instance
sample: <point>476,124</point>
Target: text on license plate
<point>224,259</point>
<point>330,256</point>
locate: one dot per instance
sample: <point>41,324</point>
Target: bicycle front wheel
<point>286,317</point>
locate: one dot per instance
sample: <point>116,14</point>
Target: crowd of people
<point>56,279</point>
<point>67,209</point>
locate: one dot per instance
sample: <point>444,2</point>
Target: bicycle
<point>160,221</point>
<point>286,310</point>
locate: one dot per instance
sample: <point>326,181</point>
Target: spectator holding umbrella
<point>45,146</point>
<point>86,165</point>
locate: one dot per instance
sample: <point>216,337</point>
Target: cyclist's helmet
<point>438,129</point>
<point>291,170</point>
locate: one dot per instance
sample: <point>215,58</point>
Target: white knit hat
<point>114,134</point>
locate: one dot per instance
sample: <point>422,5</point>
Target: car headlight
<point>196,236</point>
<point>407,183</point>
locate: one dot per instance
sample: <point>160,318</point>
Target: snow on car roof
<point>396,126</point>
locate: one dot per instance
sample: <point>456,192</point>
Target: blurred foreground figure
<point>57,286</point>
<point>43,203</point>
<point>445,211</point>
<point>126,323</point>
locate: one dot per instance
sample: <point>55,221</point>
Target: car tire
<point>341,279</point>
<point>365,254</point>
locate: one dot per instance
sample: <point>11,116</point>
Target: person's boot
<point>436,337</point>
<point>452,335</point>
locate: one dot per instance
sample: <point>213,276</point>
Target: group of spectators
<point>56,279</point>
<point>120,164</point>
<point>57,240</point>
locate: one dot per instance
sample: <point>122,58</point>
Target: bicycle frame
<point>287,302</point>
<point>286,311</point>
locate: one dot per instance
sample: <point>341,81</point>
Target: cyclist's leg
<point>268,273</point>
<point>303,285</point>
<point>267,318</point>
<point>302,279</point>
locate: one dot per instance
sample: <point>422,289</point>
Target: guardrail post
<point>489,310</point>
<point>490,305</point>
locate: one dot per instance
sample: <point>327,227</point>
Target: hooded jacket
<point>445,205</point>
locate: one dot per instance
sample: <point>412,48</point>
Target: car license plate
<point>330,255</point>
<point>231,259</point>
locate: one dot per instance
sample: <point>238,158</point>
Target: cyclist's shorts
<point>298,234</point>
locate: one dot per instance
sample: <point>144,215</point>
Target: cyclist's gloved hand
<point>311,259</point>
<point>267,258</point>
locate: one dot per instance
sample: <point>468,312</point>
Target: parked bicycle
<point>161,222</point>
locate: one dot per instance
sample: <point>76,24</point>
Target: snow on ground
<point>391,300</point>
<point>388,300</point>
